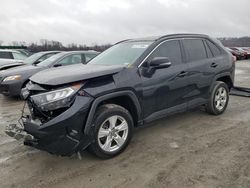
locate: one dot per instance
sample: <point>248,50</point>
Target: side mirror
<point>159,63</point>
<point>57,65</point>
<point>37,62</point>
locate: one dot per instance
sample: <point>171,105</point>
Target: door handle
<point>182,74</point>
<point>213,65</point>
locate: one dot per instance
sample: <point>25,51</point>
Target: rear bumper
<point>11,88</point>
<point>62,135</point>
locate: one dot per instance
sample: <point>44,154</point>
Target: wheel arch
<point>126,99</point>
<point>223,77</point>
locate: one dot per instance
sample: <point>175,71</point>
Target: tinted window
<point>215,50</point>
<point>170,49</point>
<point>18,56</point>
<point>5,55</point>
<point>195,49</point>
<point>71,59</point>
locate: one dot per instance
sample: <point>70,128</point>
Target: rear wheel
<point>113,131</point>
<point>218,99</point>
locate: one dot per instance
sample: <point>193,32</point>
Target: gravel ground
<point>191,149</point>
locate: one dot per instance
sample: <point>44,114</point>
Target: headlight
<point>9,78</point>
<point>55,99</point>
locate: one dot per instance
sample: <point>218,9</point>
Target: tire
<point>218,99</point>
<point>109,140</point>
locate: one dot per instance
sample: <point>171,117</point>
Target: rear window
<point>195,49</point>
<point>5,55</point>
<point>215,50</point>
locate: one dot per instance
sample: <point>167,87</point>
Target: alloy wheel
<point>113,133</point>
<point>220,98</point>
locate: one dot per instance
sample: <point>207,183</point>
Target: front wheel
<point>113,131</point>
<point>219,98</point>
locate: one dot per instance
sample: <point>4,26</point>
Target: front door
<point>164,89</point>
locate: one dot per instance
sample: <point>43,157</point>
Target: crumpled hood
<point>73,73</point>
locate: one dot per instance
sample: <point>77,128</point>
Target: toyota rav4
<point>97,106</point>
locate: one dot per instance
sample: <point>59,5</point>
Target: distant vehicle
<point>14,79</point>
<point>10,57</point>
<point>33,59</point>
<point>239,55</point>
<point>243,53</point>
<point>25,51</point>
<point>130,84</point>
<point>247,50</point>
<point>12,54</point>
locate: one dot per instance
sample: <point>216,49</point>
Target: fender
<point>219,76</point>
<point>97,101</point>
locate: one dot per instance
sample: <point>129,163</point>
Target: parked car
<point>14,79</point>
<point>33,59</point>
<point>11,56</point>
<point>236,53</point>
<point>247,50</point>
<point>242,52</point>
<point>25,52</point>
<point>97,106</point>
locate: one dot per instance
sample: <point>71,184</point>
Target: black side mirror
<point>57,65</point>
<point>37,62</point>
<point>159,63</point>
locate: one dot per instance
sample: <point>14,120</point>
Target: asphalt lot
<point>191,149</point>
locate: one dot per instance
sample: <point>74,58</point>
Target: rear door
<point>201,70</point>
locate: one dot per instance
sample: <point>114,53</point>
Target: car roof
<point>47,52</point>
<point>156,38</point>
<point>9,50</point>
<point>80,51</point>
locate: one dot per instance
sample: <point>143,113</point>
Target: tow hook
<point>17,132</point>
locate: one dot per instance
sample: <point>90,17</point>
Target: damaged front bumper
<point>62,135</point>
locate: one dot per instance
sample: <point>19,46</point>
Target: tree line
<point>50,45</point>
<point>236,42</point>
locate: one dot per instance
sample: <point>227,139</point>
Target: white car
<point>9,58</point>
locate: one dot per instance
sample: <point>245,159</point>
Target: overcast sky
<point>108,21</point>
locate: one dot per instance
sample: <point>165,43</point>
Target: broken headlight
<point>56,99</point>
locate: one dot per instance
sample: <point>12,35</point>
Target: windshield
<point>31,59</point>
<point>121,54</point>
<point>50,60</point>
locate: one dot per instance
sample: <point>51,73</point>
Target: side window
<point>18,56</point>
<point>215,50</point>
<point>209,53</point>
<point>195,49</point>
<point>71,59</point>
<point>88,57</point>
<point>5,55</point>
<point>171,50</point>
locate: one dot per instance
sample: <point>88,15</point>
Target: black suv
<point>97,106</point>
